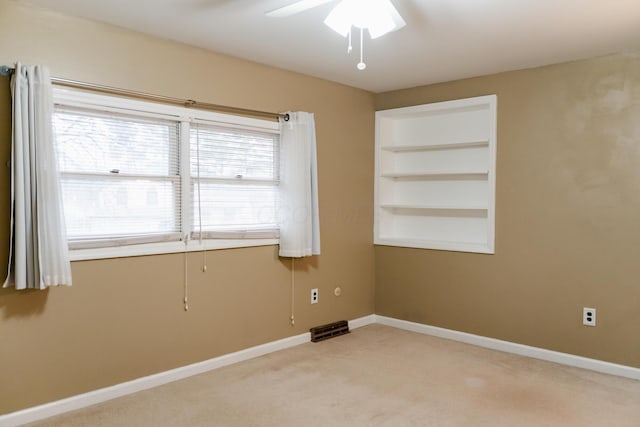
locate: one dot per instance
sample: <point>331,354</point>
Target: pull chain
<point>361,64</point>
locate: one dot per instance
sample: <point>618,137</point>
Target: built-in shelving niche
<point>435,175</point>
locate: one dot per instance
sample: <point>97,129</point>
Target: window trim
<point>166,248</point>
<point>67,97</point>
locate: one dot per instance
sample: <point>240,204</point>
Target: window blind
<point>135,172</point>
<point>235,175</point>
<point>120,177</point>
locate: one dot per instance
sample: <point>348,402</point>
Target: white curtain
<point>300,223</point>
<point>39,256</point>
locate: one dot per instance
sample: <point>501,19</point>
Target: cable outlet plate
<point>314,296</point>
<point>588,316</point>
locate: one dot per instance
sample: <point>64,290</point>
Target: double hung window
<point>140,177</point>
<point>234,182</point>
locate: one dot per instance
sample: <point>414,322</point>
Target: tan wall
<point>567,217</point>
<point>123,318</point>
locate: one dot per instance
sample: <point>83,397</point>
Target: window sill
<point>166,248</point>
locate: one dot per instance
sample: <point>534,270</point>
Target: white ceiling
<point>443,40</point>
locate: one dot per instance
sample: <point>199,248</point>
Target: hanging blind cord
<point>293,281</point>
<point>186,276</point>
<point>204,252</point>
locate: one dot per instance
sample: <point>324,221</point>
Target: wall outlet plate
<point>314,296</point>
<point>588,316</point>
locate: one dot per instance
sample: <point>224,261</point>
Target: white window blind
<point>138,177</point>
<point>120,177</point>
<point>235,175</point>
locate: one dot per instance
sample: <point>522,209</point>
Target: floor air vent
<point>331,330</point>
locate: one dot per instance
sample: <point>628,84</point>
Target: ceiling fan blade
<point>297,7</point>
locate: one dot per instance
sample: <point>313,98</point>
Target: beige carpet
<point>378,376</point>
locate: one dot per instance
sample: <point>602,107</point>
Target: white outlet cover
<point>588,316</point>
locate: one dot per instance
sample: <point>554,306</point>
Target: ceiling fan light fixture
<point>379,17</point>
<point>340,19</point>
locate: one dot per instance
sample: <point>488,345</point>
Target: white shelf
<point>435,244</point>
<point>428,147</point>
<point>435,176</point>
<point>434,207</point>
<point>443,174</point>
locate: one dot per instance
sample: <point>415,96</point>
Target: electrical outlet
<point>588,316</point>
<point>314,296</point>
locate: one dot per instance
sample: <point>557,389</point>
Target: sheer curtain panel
<point>38,256</point>
<point>299,220</point>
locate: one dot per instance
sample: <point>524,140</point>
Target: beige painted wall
<point>567,217</point>
<point>123,318</point>
<point>568,203</point>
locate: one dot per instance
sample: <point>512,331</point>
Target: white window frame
<point>90,100</point>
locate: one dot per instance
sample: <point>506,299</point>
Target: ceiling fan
<point>378,17</point>
<point>296,7</point>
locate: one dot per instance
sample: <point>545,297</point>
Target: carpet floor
<point>378,376</point>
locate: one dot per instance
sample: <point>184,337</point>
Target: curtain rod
<point>190,103</point>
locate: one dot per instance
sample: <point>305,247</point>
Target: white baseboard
<point>510,347</point>
<point>104,394</point>
<point>362,321</point>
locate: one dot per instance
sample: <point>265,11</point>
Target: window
<point>139,177</point>
<point>234,185</point>
<point>120,176</point>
